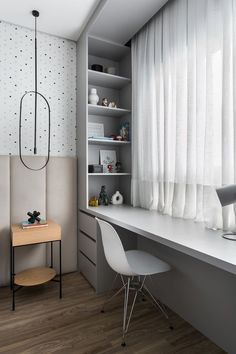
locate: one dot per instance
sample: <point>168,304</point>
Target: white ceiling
<point>119,20</point>
<point>63,18</point>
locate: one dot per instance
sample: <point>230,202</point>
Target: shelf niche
<point>102,79</point>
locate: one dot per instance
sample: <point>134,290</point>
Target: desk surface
<point>23,237</point>
<point>186,236</point>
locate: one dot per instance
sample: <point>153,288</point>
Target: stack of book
<point>28,225</point>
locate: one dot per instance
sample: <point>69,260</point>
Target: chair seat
<point>143,263</point>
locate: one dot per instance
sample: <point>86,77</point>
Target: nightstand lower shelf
<point>34,276</point>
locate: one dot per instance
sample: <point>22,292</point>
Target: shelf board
<point>98,78</point>
<point>34,276</point>
<point>110,174</point>
<point>107,142</point>
<point>106,49</point>
<point>106,111</point>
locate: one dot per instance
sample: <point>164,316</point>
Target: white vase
<point>93,98</point>
<point>117,198</point>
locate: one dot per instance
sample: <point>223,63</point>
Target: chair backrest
<point>113,249</point>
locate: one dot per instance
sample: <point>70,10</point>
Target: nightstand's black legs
<point>60,269</point>
<point>12,276</point>
<point>51,255</point>
<point>11,265</point>
<point>13,298</point>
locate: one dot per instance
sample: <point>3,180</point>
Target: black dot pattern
<point>56,81</point>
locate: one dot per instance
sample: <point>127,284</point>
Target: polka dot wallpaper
<point>56,81</point>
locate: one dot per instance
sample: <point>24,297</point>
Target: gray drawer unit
<point>87,245</point>
<point>91,259</point>
<point>88,269</point>
<point>88,225</point>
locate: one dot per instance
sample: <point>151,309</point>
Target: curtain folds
<point>184,104</point>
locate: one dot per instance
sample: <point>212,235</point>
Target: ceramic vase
<point>93,97</point>
<point>117,198</point>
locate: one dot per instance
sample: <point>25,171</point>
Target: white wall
<point>56,81</point>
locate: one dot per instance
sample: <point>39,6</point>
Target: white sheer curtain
<point>184,110</point>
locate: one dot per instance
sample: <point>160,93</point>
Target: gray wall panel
<point>28,193</point>
<point>4,219</point>
<point>62,208</point>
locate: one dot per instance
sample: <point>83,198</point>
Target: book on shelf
<point>28,225</point>
<point>100,138</point>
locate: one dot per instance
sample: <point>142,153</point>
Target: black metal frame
<point>13,286</point>
<point>35,13</point>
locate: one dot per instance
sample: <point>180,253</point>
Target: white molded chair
<point>134,265</point>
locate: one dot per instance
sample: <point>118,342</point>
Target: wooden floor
<point>44,324</point>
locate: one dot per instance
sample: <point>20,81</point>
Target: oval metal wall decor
<point>20,131</point>
<point>35,14</point>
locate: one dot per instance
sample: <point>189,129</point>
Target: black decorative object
<point>103,198</point>
<point>35,13</point>
<point>95,168</point>
<point>97,67</point>
<point>33,216</point>
<point>105,102</point>
<point>118,167</point>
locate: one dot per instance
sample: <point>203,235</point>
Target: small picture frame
<point>108,157</point>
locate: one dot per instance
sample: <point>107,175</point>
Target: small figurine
<point>119,138</point>
<point>118,167</point>
<point>105,102</point>
<point>93,202</point>
<point>124,131</point>
<point>103,198</point>
<point>33,216</point>
<point>112,104</point>
<point>110,168</point>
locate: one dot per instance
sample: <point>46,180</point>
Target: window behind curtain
<point>184,127</point>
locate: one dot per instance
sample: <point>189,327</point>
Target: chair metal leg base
<point>138,288</point>
<point>110,291</point>
<point>157,304</point>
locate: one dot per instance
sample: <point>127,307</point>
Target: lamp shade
<point>227,194</point>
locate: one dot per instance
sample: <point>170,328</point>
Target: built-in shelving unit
<point>116,88</point>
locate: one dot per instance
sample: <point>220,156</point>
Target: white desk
<point>186,236</point>
<point>201,287</point>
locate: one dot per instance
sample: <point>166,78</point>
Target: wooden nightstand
<point>38,275</point>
